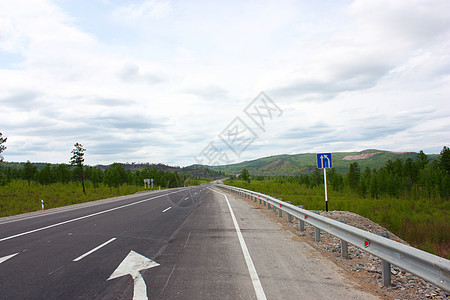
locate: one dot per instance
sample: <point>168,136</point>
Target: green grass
<point>17,197</point>
<point>422,223</point>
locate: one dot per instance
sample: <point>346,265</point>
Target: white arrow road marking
<point>93,250</point>
<point>5,258</point>
<point>132,265</point>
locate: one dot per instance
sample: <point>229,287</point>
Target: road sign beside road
<point>324,161</point>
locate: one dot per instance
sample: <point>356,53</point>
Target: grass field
<point>422,223</point>
<point>17,197</point>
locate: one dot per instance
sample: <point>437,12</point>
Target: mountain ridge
<point>302,163</point>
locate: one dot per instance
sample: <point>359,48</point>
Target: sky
<point>217,82</point>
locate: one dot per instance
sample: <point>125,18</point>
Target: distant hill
<point>194,171</point>
<point>138,166</point>
<point>306,163</point>
<point>273,165</point>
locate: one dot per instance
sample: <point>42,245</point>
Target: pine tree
<point>78,160</point>
<point>2,147</point>
<point>444,159</point>
<point>28,172</point>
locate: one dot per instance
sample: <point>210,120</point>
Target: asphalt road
<point>186,243</point>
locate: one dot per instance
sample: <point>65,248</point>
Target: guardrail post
<point>301,223</point>
<point>386,266</point>
<point>317,230</point>
<point>344,244</point>
<point>317,234</point>
<point>386,273</point>
<point>280,213</point>
<point>274,209</point>
<point>288,214</point>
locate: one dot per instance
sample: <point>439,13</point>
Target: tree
<point>77,160</point>
<point>245,175</point>
<point>28,172</point>
<point>2,147</point>
<point>422,160</point>
<point>115,175</point>
<point>444,159</point>
<point>95,177</point>
<point>45,175</point>
<point>353,175</point>
<point>62,173</point>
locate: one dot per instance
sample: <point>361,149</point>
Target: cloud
<point>131,73</point>
<point>214,93</point>
<point>410,22</point>
<point>143,10</point>
<point>24,99</point>
<point>153,76</point>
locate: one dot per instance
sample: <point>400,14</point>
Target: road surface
<point>186,243</point>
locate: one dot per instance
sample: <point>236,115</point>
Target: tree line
<point>114,176</point>
<point>408,178</point>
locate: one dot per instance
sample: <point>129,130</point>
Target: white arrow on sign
<point>132,265</point>
<point>326,157</point>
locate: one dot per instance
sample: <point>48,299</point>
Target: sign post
<point>152,182</point>
<point>147,183</point>
<point>324,162</point>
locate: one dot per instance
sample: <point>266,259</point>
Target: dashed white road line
<point>167,209</point>
<point>86,216</point>
<point>93,250</point>
<point>5,258</point>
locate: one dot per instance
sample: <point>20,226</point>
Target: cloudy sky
<point>179,82</point>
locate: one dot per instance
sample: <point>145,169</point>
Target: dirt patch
<point>360,156</point>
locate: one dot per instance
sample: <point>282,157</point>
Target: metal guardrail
<point>429,267</point>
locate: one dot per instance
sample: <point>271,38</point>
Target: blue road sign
<point>324,161</point>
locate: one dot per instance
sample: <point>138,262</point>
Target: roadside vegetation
<point>21,190</point>
<point>410,198</point>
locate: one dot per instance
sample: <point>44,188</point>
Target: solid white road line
<point>93,250</point>
<point>84,217</point>
<point>5,258</point>
<point>248,259</point>
<point>167,209</point>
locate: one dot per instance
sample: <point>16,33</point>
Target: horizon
<point>195,164</point>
